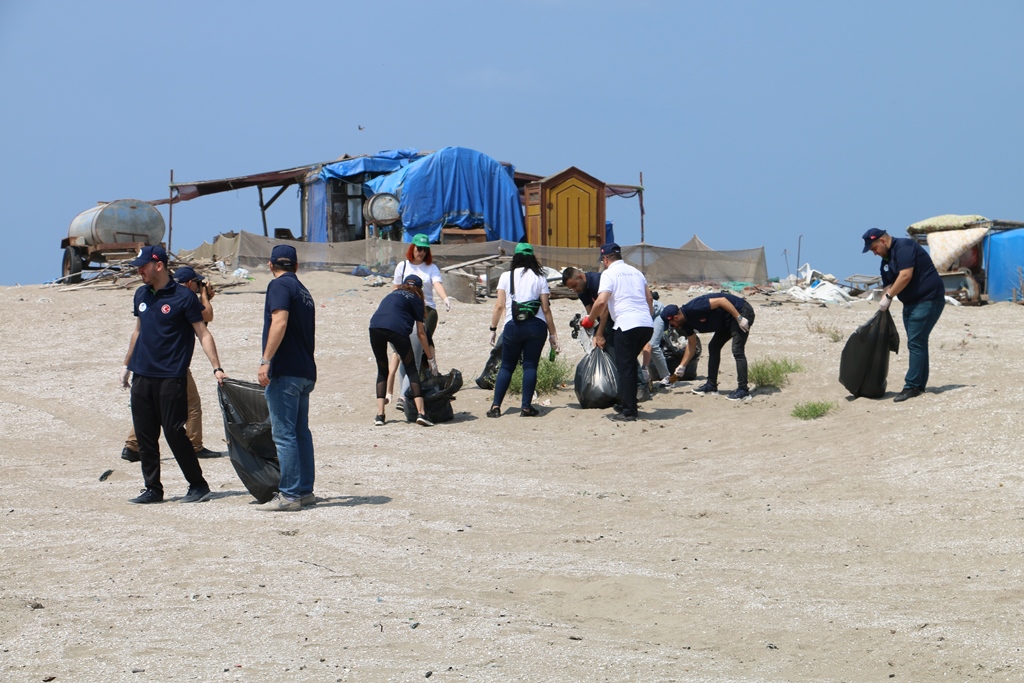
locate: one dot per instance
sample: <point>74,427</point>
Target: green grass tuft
<point>551,376</point>
<point>812,410</point>
<point>831,332</point>
<point>772,373</point>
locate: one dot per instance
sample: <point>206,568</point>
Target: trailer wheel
<point>71,267</point>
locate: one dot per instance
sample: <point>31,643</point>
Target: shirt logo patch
<point>165,309</point>
<point>143,307</point>
<point>886,267</point>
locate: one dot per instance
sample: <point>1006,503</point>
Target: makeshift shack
<point>978,259</point>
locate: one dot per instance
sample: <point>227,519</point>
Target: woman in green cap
<point>523,305</point>
<point>418,261</point>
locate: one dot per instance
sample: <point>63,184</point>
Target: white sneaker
<point>280,504</point>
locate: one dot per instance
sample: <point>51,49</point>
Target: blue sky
<point>752,122</point>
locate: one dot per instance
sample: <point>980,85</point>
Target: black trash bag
<point>438,394</point>
<point>674,356</point>
<point>487,378</point>
<point>595,384</point>
<point>250,443</point>
<point>864,366</point>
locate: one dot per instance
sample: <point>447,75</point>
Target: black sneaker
<point>623,417</point>
<point>421,419</point>
<point>706,389</point>
<point>129,455</point>
<point>205,452</point>
<point>379,421</point>
<point>907,393</point>
<point>739,395</point>
<point>148,496</point>
<point>195,495</point>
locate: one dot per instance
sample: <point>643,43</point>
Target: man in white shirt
<point>624,294</point>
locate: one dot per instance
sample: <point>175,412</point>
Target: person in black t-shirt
<point>169,318</point>
<point>287,372</point>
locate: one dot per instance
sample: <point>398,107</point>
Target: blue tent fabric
<point>317,228</point>
<point>1004,252</point>
<point>386,161</point>
<point>459,187</point>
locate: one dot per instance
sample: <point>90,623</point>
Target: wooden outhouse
<point>566,209</point>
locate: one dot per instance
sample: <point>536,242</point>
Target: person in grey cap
<point>625,296</point>
<point>908,273</point>
<point>168,320</point>
<point>287,371</point>
<point>187,277</point>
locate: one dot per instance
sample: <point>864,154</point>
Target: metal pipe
<point>170,212</point>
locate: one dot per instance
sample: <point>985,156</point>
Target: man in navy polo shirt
<point>288,373</point>
<point>908,272</point>
<point>587,286</point>
<point>727,316</point>
<point>168,319</point>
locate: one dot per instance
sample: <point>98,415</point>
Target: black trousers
<point>739,344</point>
<point>628,345</point>
<point>162,402</point>
<point>379,340</point>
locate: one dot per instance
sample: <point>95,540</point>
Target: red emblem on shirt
<point>165,309</point>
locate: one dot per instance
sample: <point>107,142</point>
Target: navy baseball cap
<point>610,248</point>
<point>186,274</point>
<point>669,311</point>
<point>284,255</point>
<point>869,238</point>
<point>148,255</point>
<point>413,280</point>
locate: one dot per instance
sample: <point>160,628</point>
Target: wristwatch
<point>264,361</point>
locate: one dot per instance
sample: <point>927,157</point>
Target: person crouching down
<point>523,304</point>
<point>397,315</point>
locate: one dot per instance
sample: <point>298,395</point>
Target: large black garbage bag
<point>864,367</point>
<point>489,375</point>
<point>250,443</point>
<point>438,394</point>
<point>674,350</point>
<point>595,383</point>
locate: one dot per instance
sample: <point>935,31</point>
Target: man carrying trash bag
<point>908,273</point>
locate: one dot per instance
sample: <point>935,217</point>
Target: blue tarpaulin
<point>386,161</point>
<point>1004,252</point>
<point>458,187</point>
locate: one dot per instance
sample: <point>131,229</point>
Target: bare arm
<point>902,280</point>
<point>210,348</point>
<point>275,335</point>
<point>204,299</point>
<point>499,308</point>
<point>599,311</point>
<point>421,333</point>
<point>131,342</point>
<point>688,353</point>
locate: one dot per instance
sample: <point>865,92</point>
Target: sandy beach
<point>709,541</point>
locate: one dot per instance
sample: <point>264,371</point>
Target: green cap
<point>421,240</point>
<point>524,248</point>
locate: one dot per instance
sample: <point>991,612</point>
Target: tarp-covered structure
<point>991,250</point>
<point>455,187</point>
<point>661,264</point>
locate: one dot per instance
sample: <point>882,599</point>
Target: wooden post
<point>170,211</point>
<point>263,212</point>
<point>643,248</point>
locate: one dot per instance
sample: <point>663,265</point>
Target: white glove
<point>447,305</point>
<point>744,324</point>
<point>645,375</point>
<point>494,337</point>
<point>124,376</point>
<point>883,304</point>
<point>433,368</point>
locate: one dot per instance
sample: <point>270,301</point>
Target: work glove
<point>587,322</point>
<point>645,375</point>
<point>494,337</point>
<point>433,368</point>
<point>883,304</point>
<point>447,305</point>
<point>744,324</point>
<point>124,376</point>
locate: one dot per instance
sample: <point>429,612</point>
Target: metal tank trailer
<point>109,233</point>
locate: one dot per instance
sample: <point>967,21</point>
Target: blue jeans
<point>288,401</point>
<point>919,319</point>
<point>524,339</point>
